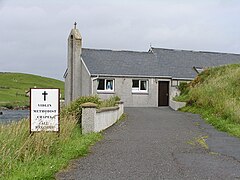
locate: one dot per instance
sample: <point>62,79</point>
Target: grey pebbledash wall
<point>96,120</point>
<point>72,75</point>
<point>123,89</point>
<point>86,81</point>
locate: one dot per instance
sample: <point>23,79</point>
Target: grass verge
<point>41,155</point>
<point>215,94</point>
<point>220,123</point>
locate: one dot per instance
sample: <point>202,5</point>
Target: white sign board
<point>44,110</point>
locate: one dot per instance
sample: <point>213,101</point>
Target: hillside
<point>13,87</point>
<point>215,94</point>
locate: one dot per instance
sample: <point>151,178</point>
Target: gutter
<point>140,76</point>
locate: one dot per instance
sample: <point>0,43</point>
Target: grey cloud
<point>33,34</point>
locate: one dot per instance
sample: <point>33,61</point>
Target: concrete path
<point>158,143</point>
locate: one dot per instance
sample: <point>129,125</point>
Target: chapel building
<point>140,79</point>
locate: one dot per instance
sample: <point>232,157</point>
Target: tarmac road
<point>159,143</point>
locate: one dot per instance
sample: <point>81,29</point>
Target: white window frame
<point>137,89</point>
<point>105,85</point>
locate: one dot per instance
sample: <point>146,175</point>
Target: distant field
<point>13,87</point>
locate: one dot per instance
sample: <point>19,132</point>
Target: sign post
<point>44,110</point>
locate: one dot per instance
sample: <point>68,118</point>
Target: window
<point>105,85</point>
<point>139,86</point>
<point>101,84</point>
<point>174,83</point>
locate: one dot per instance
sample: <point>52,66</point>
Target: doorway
<point>163,93</point>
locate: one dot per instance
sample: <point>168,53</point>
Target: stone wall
<point>175,105</point>
<point>96,120</point>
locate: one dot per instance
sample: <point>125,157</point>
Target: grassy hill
<point>215,94</point>
<point>13,87</point>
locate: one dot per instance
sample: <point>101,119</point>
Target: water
<point>13,115</point>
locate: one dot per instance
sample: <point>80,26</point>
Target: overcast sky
<point>33,33</point>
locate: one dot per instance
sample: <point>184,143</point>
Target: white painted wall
<point>105,119</point>
<point>176,105</point>
<point>94,120</point>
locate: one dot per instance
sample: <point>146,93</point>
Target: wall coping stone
<point>89,105</point>
<point>107,109</point>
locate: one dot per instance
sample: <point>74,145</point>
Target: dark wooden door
<point>163,93</point>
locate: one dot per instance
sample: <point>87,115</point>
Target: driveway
<point>159,143</point>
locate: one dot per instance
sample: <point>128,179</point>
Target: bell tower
<point>73,73</point>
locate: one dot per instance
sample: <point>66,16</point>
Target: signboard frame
<point>58,116</point>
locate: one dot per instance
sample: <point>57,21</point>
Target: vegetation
<point>199,141</point>
<point>184,89</point>
<point>122,118</point>
<point>76,108</point>
<point>41,155</point>
<point>13,87</point>
<point>215,94</point>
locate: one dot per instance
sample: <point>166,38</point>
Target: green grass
<point>199,141</point>
<point>215,94</point>
<point>122,118</point>
<point>14,85</point>
<point>42,154</point>
<point>220,123</point>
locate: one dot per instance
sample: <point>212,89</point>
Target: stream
<point>8,116</point>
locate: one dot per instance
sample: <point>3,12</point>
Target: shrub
<point>75,107</point>
<point>200,78</point>
<point>109,102</point>
<point>183,87</point>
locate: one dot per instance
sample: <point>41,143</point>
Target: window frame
<point>138,90</point>
<point>105,90</point>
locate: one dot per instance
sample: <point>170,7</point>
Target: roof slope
<point>157,62</point>
<point>181,62</point>
<point>120,62</point>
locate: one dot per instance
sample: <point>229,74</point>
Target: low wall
<point>176,105</point>
<point>96,120</point>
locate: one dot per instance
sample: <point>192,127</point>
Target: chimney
<point>74,66</point>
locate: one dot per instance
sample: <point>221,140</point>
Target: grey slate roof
<point>181,62</point>
<point>156,62</point>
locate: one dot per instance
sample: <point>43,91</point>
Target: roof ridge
<point>197,51</point>
<point>113,50</point>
